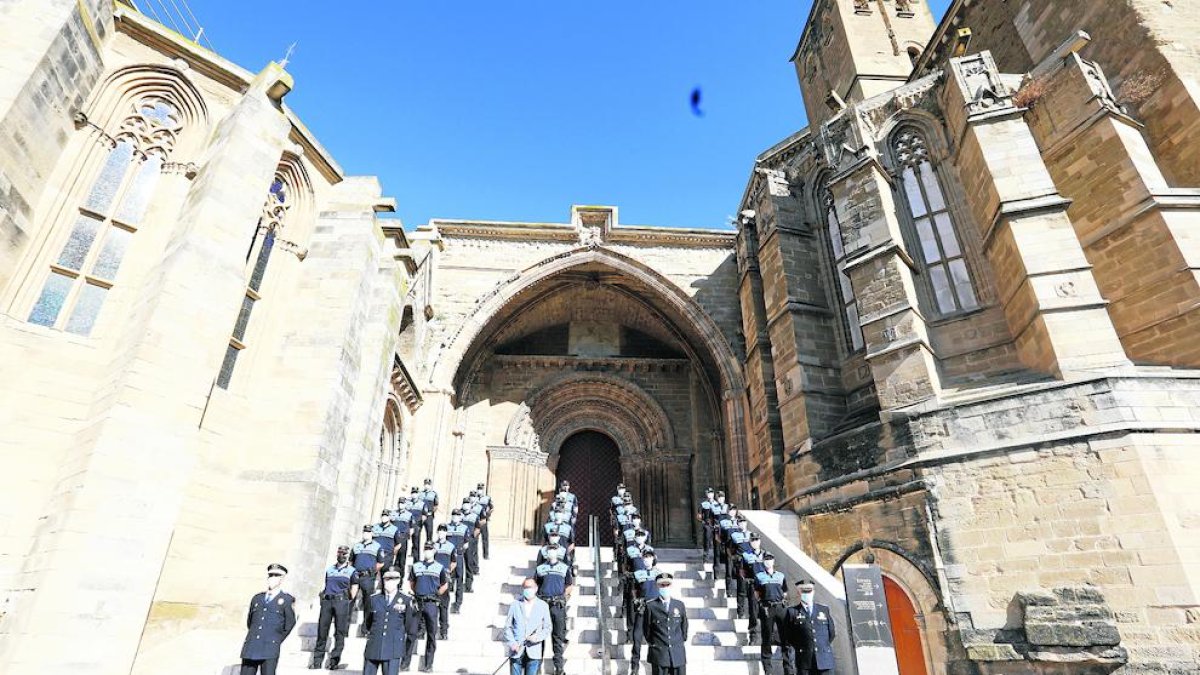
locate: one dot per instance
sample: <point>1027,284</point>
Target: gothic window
<point>274,215</point>
<point>844,291</point>
<point>85,269</point>
<point>941,253</point>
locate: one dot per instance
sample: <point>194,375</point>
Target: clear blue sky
<point>516,110</point>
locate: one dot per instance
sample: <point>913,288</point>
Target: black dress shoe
<point>315,662</point>
<point>333,665</point>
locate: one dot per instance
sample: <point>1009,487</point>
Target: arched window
<point>274,216</point>
<point>941,253</point>
<point>845,291</point>
<point>84,271</point>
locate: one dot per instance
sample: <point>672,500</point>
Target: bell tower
<point>854,49</point>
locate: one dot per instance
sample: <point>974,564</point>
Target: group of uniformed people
<point>368,575</point>
<point>555,571</point>
<point>652,616</point>
<point>804,631</point>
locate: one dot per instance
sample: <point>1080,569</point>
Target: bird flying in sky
<point>696,103</point>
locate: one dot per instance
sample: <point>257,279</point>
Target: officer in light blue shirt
<point>335,609</point>
<point>429,580</point>
<point>747,600</point>
<point>446,554</point>
<point>555,582</point>
<point>385,535</point>
<point>471,551</point>
<point>402,519</point>
<point>771,586</point>
<point>367,558</point>
<point>430,497</point>
<point>645,584</point>
<point>416,507</point>
<point>457,533</point>
<point>485,501</point>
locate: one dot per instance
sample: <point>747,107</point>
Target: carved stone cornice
<point>554,232</point>
<point>596,363</point>
<point>529,456</point>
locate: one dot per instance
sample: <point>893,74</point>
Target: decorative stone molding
<point>529,456</point>
<point>980,84</point>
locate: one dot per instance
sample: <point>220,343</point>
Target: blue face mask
<point>529,593</point>
<point>665,594</point>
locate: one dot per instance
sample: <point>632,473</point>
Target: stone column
<point>96,563</point>
<point>881,271</point>
<point>1045,283</point>
<point>523,477</point>
<point>1135,230</point>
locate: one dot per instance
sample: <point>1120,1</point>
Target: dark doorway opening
<point>591,462</point>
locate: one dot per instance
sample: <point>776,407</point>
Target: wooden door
<point>906,631</point>
<point>591,462</point>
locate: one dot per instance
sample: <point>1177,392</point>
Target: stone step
<point>497,664</point>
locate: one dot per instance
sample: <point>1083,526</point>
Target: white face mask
<point>755,545</point>
<point>274,582</point>
<point>390,585</point>
<point>553,558</point>
<point>640,540</point>
<point>366,537</point>
<point>770,565</point>
<point>554,540</point>
<point>648,562</point>
<point>441,536</point>
<point>427,556</point>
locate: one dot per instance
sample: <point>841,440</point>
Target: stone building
<point>954,333</point>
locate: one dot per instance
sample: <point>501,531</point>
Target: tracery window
<point>941,252</point>
<point>86,267</point>
<point>274,216</point>
<point>845,291</point>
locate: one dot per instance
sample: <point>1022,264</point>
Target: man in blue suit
<point>271,618</point>
<point>810,633</point>
<point>526,630</point>
<point>665,627</point>
<point>387,623</point>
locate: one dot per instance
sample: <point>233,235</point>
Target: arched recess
<point>916,584</point>
<point>388,461</point>
<point>454,366</point>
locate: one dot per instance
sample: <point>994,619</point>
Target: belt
<point>775,603</point>
<point>554,599</point>
<point>335,596</point>
<point>428,598</point>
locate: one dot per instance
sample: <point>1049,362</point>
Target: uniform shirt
<point>616,501</point>
<point>553,580</point>
<point>427,578</point>
<point>718,510</point>
<point>563,554</point>
<point>706,511</point>
<point>416,510</point>
<point>635,553</point>
<point>563,530</point>
<point>385,536</point>
<point>476,509</point>
<point>430,497</point>
<point>568,496</point>
<point>772,585</point>
<point>485,503</point>
<point>367,555</point>
<point>403,522</point>
<point>457,533</point>
<point>337,579</point>
<point>385,623</point>
<point>752,563</point>
<point>472,521</point>
<point>738,541</point>
<point>445,553</point>
<point>647,583</point>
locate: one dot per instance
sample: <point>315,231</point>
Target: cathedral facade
<point>955,332</point>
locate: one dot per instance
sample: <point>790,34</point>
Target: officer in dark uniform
<point>430,497</point>
<point>771,588</point>
<point>402,519</point>
<point>485,501</point>
<point>385,535</point>
<point>471,550</point>
<point>335,609</point>
<point>387,623</point>
<point>446,554</point>
<point>555,582</point>
<point>645,590</point>
<point>428,580</point>
<point>416,506</point>
<point>665,627</point>
<point>810,632</point>
<point>368,561</point>
<point>271,618</point>
<point>704,515</point>
<point>456,533</point>
<point>720,512</point>
<point>747,600</point>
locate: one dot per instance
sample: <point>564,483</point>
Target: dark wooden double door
<point>591,461</point>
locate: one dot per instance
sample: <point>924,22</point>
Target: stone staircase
<point>718,642</point>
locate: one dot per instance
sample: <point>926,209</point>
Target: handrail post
<point>601,620</point>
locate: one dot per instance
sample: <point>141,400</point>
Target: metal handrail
<point>602,619</point>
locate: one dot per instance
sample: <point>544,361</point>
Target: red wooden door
<point>906,632</point>
<point>591,462</point>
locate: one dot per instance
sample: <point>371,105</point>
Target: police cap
<point>456,512</point>
<point>768,557</point>
<point>385,512</point>
<point>414,490</point>
<point>429,481</point>
<point>428,546</point>
<point>804,585</point>
<point>441,528</point>
<point>479,486</point>
<point>276,567</point>
<point>721,493</point>
<point>367,528</point>
<point>708,490</point>
<point>343,549</point>
<point>392,573</point>
<point>753,535</point>
<point>664,579</point>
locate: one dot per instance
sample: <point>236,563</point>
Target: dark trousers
<point>428,620</point>
<point>470,562</point>
<point>387,667</point>
<point>443,615</point>
<point>669,670</point>
<point>747,603</point>
<point>416,543</point>
<point>639,610</point>
<point>259,666</point>
<point>458,585</point>
<point>335,610</point>
<point>558,629</point>
<point>366,588</point>
<point>429,526</point>
<point>772,634</point>
<point>627,601</point>
<point>483,535</point>
<point>401,558</point>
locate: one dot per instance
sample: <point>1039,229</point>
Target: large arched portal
<point>591,462</point>
<point>593,342</point>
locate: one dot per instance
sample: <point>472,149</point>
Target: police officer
<point>485,501</point>
<point>617,500</point>
<point>430,497</point>
<point>747,600</point>
<point>633,560</point>
<point>446,555</point>
<point>335,599</point>
<point>385,535</point>
<point>646,590</point>
<point>456,533</point>
<point>387,623</point>
<point>565,493</point>
<point>271,618</point>
<point>736,540</point>
<point>471,551</point>
<point>402,518</point>
<point>428,580</point>
<point>368,561</point>
<point>555,582</point>
<point>416,506</point>
<point>810,633</point>
<point>665,627</point>
<point>704,515</point>
<point>720,512</point>
<point>771,588</point>
<point>554,543</point>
